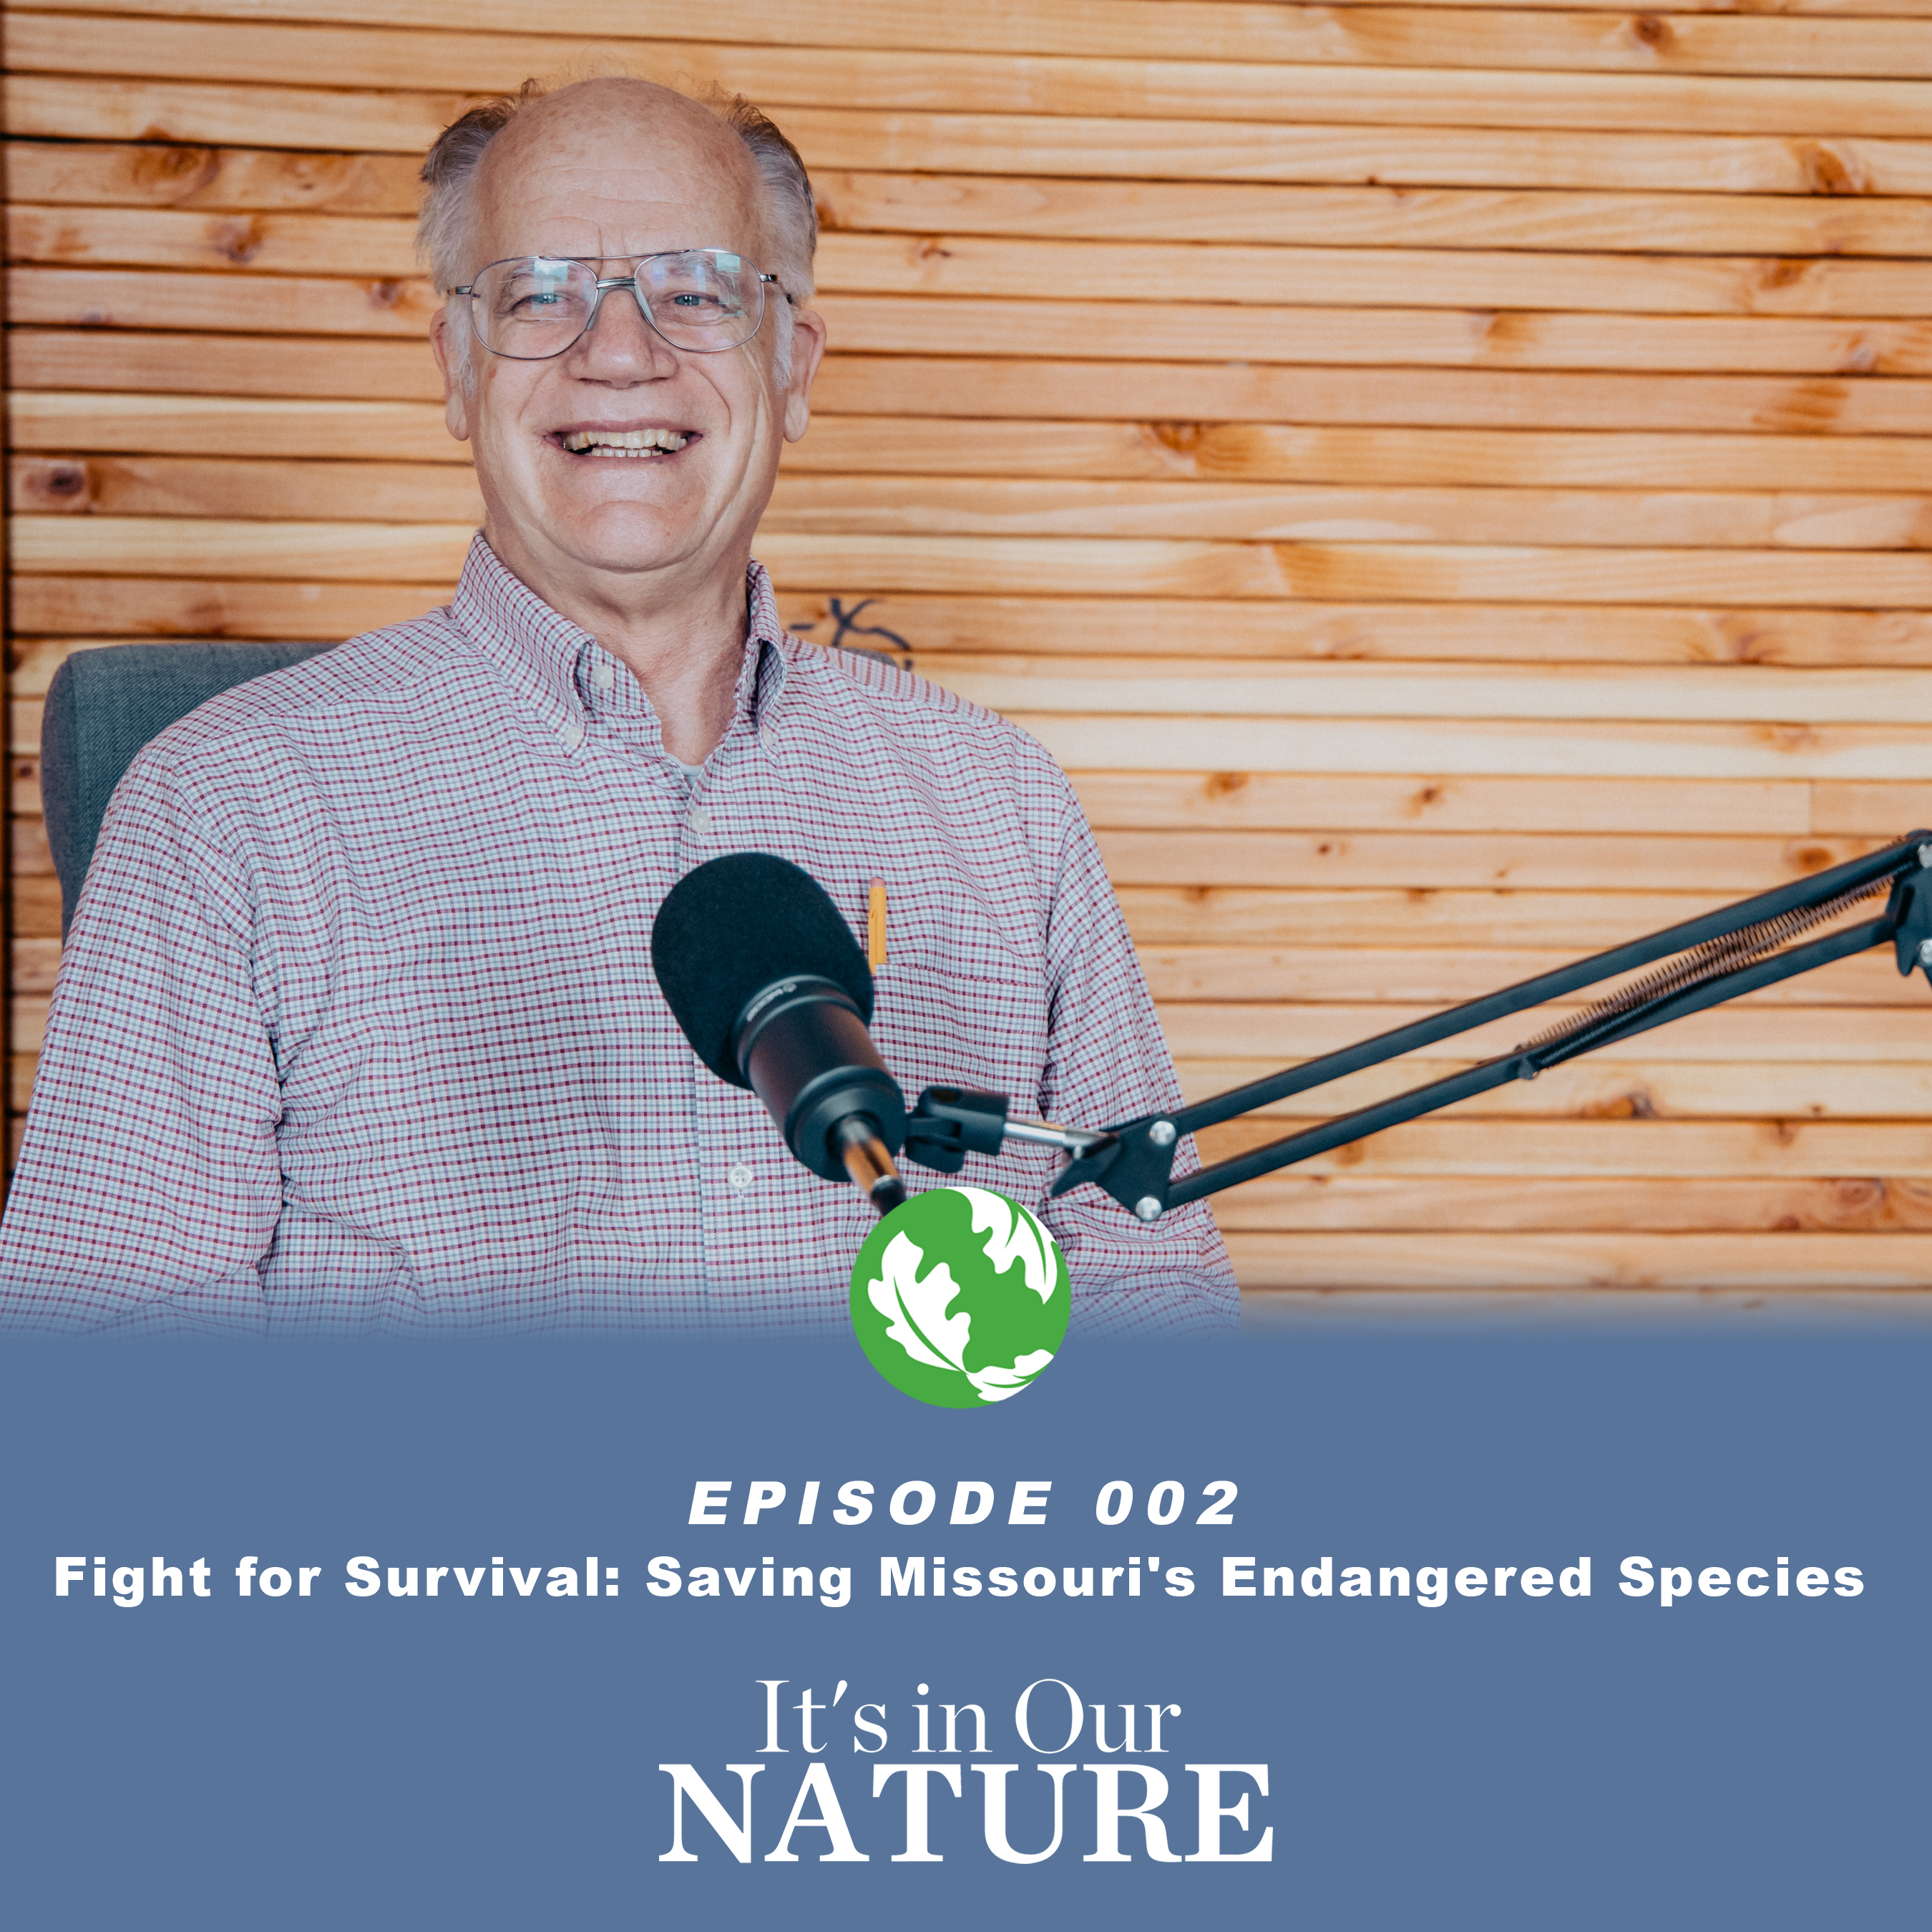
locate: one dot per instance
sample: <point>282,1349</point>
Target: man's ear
<point>455,396</point>
<point>807,351</point>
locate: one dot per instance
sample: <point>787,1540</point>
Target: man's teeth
<point>625,441</point>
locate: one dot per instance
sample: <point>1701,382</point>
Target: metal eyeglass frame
<point>603,283</point>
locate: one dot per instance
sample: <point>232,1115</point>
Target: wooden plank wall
<point>1450,481</point>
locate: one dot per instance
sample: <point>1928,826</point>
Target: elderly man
<point>358,1027</point>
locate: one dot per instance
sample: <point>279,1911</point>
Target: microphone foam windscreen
<point>733,927</point>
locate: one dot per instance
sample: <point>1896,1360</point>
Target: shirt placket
<point>732,1172</point>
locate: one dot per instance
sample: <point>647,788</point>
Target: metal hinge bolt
<point>1147,1208</point>
<point>1162,1133</point>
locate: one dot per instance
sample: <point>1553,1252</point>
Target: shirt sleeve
<point>148,1184</point>
<point>1108,1062</point>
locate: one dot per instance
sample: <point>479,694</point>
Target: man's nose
<point>619,345</point>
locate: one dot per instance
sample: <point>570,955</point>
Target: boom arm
<point>1733,951</point>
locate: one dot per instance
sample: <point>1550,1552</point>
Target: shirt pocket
<point>957,1004</point>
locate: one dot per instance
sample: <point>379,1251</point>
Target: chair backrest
<point>102,706</point>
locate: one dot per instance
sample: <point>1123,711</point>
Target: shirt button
<point>739,1177</point>
<point>604,676</point>
<point>699,822</point>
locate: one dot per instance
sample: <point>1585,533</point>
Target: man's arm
<point>148,1186</point>
<point>1108,1062</point>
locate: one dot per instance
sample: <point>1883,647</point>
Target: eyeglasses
<point>533,307</point>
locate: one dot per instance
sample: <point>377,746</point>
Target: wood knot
<point>1183,438</point>
<point>62,486</point>
<point>1225,784</point>
<point>238,240</point>
<point>1745,640</point>
<point>1650,30</point>
<point>1829,170</point>
<point>174,173</point>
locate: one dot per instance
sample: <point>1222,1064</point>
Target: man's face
<point>612,171</point>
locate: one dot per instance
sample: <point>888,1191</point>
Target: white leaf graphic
<point>995,1384</point>
<point>915,1310</point>
<point>1016,1236</point>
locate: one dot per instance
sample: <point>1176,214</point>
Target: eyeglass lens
<point>536,306</point>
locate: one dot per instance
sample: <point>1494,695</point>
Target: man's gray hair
<point>445,227</point>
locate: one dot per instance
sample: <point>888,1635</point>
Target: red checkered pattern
<point>357,1027</point>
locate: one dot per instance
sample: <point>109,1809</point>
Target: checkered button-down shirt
<point>357,1026</point>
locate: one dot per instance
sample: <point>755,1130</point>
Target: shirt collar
<point>547,658</point>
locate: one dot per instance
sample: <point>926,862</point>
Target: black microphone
<point>761,971</point>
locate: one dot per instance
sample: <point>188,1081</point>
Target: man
<point>357,1025</point>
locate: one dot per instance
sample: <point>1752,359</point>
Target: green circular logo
<point>960,1297</point>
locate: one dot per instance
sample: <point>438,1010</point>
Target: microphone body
<point>801,1047</point>
<point>764,977</point>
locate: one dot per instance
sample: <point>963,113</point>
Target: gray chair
<point>102,706</point>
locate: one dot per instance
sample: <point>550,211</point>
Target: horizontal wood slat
<point>903,386</point>
<point>296,103</point>
<point>1526,1150</point>
<point>1314,276</point>
<point>1131,330</point>
<point>1367,1204</point>
<point>1238,801</point>
<point>1847,751</point>
<point>1163,30</point>
<point>1424,976</point>
<point>1783,1262</point>
<point>1574,922</point>
<point>902,234</point>
<point>1377,338</point>
<point>242,426</point>
<point>1120,391</point>
<point>106,298</point>
<point>272,272</point>
<point>1261,1035</point>
<point>1595,1089</point>
<point>1441,218</point>
<point>433,553</point>
<point>151,174</point>
<point>191,487</point>
<point>394,490</point>
<point>138,174</point>
<point>138,607</point>
<point>1080,627</point>
<point>1211,687</point>
<point>1250,452</point>
<point>1552,861</point>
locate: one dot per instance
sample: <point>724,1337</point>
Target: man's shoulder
<point>937,726</point>
<point>375,674</point>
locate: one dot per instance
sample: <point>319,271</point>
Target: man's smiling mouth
<point>644,444</point>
